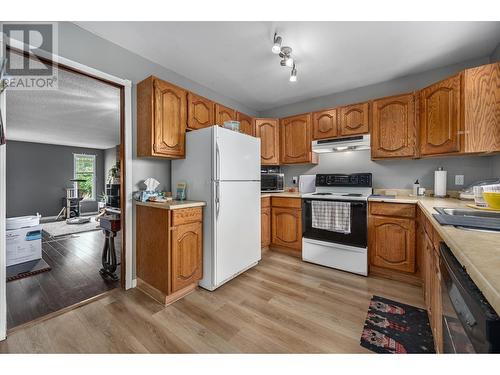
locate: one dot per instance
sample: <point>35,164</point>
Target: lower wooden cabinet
<point>169,251</point>
<point>286,225</point>
<point>187,253</point>
<point>265,222</point>
<point>391,241</point>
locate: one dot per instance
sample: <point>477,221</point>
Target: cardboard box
<point>23,244</point>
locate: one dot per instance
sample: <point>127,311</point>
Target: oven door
<point>358,235</point>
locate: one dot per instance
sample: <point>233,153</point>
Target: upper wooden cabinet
<point>223,114</point>
<point>393,133</point>
<point>268,131</point>
<point>440,117</point>
<point>354,119</point>
<point>295,140</point>
<point>247,123</point>
<point>200,112</point>
<point>161,119</point>
<point>325,124</point>
<point>481,93</point>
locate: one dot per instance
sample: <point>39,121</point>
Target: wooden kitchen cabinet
<point>391,241</point>
<point>161,119</point>
<point>247,123</point>
<point>295,140</point>
<point>223,114</point>
<point>200,112</point>
<point>169,251</point>
<point>268,131</point>
<point>354,119</point>
<point>325,124</point>
<point>265,222</point>
<point>394,131</point>
<point>440,117</point>
<point>286,225</point>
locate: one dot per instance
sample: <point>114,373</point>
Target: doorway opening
<point>65,170</point>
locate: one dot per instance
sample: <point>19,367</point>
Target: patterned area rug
<point>396,328</point>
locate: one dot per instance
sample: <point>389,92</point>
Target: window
<point>84,169</point>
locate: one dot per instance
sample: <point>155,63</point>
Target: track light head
<point>277,44</point>
<point>293,74</point>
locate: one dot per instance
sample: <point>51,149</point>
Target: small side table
<point>110,225</point>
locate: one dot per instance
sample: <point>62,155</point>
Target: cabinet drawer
<point>287,202</point>
<point>265,202</point>
<point>186,215</point>
<point>392,209</point>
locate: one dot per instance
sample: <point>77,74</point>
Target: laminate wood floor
<point>74,277</point>
<point>283,305</point>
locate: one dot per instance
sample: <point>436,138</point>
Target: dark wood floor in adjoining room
<point>74,277</point>
<point>283,305</point>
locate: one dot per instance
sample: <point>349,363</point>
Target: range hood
<point>354,143</point>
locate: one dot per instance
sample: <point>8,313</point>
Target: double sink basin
<point>468,218</point>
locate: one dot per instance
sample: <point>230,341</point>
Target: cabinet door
<point>247,124</point>
<point>286,227</point>
<point>295,134</point>
<point>186,258</point>
<point>200,112</point>
<point>392,243</point>
<point>268,132</point>
<point>265,223</point>
<point>440,119</point>
<point>355,119</point>
<point>223,114</point>
<point>325,124</point>
<point>169,128</point>
<point>393,127</point>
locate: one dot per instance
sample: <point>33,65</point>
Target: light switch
<point>459,179</point>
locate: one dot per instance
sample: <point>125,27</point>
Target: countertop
<point>172,205</point>
<point>286,194</point>
<point>478,252</point>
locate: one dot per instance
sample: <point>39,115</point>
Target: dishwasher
<point>470,324</point>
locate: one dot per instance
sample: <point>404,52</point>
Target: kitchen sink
<point>467,212</point>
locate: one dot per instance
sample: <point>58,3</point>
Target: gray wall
<point>379,90</point>
<point>37,175</point>
<point>495,55</point>
<point>399,174</point>
<point>496,166</point>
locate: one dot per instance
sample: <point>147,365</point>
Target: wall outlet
<point>459,179</point>
<point>295,180</point>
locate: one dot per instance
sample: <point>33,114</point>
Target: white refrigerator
<point>222,168</point>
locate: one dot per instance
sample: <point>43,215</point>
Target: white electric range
<point>344,251</point>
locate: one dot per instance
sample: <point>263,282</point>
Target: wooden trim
<point>287,251</point>
<point>60,312</point>
<point>413,279</point>
<point>161,297</point>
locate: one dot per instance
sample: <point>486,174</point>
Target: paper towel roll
<point>440,183</point>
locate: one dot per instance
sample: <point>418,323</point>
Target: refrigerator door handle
<point>217,161</point>
<point>217,199</point>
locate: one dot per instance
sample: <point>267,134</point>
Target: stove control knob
<point>329,180</point>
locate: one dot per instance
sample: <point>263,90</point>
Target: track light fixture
<point>277,44</point>
<point>285,53</point>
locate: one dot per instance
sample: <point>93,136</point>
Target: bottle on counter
<point>416,185</point>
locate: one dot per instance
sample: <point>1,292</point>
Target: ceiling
<point>83,112</point>
<point>235,59</point>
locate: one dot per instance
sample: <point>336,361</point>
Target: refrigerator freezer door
<point>237,156</point>
<point>237,239</point>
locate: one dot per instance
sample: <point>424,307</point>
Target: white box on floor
<point>23,244</point>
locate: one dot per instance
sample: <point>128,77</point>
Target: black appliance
<point>272,182</point>
<point>352,188</point>
<point>470,325</point>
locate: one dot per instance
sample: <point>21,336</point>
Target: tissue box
<point>23,244</point>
